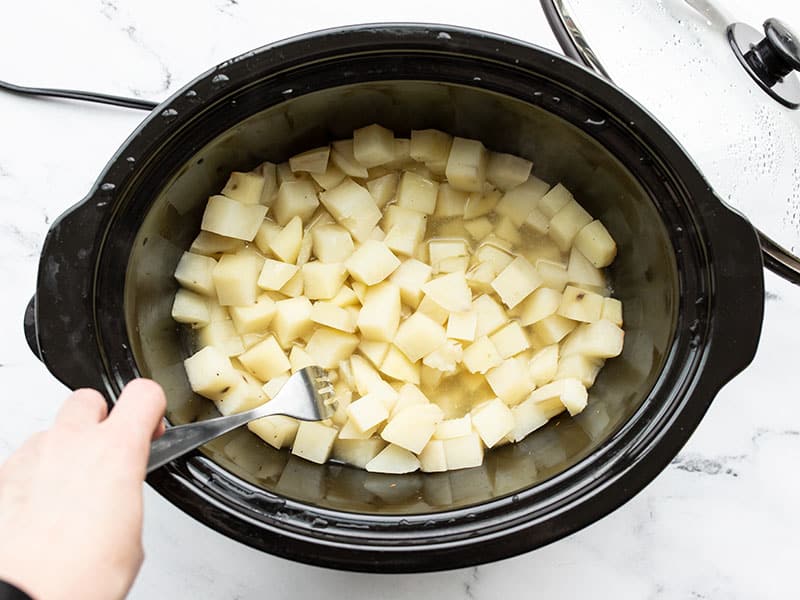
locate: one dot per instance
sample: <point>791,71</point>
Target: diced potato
<point>353,208</point>
<point>466,165</point>
<point>580,367</point>
<point>491,315</point>
<point>195,273</point>
<point>230,218</point>
<point>408,395</point>
<point>295,199</point>
<point>453,428</point>
<point>275,274</point>
<point>432,459</point>
<point>537,221</point>
<point>360,290</point>
<point>580,305</point>
<point>304,255</point>
<point>383,188</point>
<point>498,258</point>
<point>492,421</point>
<point>543,365</point>
<point>510,340</point>
<point>581,272</point>
<point>405,229</point>
<point>520,200</point>
<point>554,200</point>
<point>294,287</point>
<point>566,224</point>
<point>278,431</point>
<point>244,187</point>
<point>516,282</point>
<point>480,278</point>
<point>241,397</point>
<point>450,202</point>
<point>274,386</point>
<point>266,232</point>
<point>462,326</point>
<point>372,262</point>
<point>210,372</point>
<point>223,336</point>
<point>322,281</point>
<point>612,311</point>
<point>292,319</point>
<point>314,441</point>
<point>380,313</point>
<point>351,432</point>
<point>374,351</point>
<point>189,307</point>
<point>569,392</point>
<point>505,229</point>
<point>207,243</point>
<point>442,250</point>
<point>235,278</point>
<point>417,193</point>
<point>311,161</point>
<point>432,310</point>
<point>346,297</point>
<point>332,243</point>
<point>397,366</point>
<point>445,358</point>
<point>367,412</point>
<point>357,452</point>
<point>511,380</point>
<point>332,177</point>
<point>418,336</point>
<point>430,146</point>
<point>479,228</point>
<point>286,244</point>
<point>254,318</point>
<point>553,274</point>
<point>329,347</point>
<point>266,359</point>
<point>342,156</point>
<point>463,452</point>
<point>601,339</point>
<point>596,244</point>
<point>269,172</point>
<point>507,171</point>
<point>410,276</point>
<point>300,359</point>
<point>539,305</point>
<point>450,291</point>
<point>393,459</point>
<point>528,417</point>
<point>412,427</point>
<point>373,145</point>
<point>481,356</point>
<point>552,329</point>
<point>480,203</point>
<point>332,315</point>
<point>284,173</point>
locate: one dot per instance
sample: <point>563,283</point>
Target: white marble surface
<point>720,522</point>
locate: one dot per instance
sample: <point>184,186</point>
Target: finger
<point>82,407</point>
<point>138,411</point>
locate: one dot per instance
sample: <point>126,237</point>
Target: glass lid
<point>729,92</point>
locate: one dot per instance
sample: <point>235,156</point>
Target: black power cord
<point>79,95</point>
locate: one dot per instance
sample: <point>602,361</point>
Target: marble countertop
<point>720,522</point>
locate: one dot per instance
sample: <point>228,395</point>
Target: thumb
<point>138,412</point>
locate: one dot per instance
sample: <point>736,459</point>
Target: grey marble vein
<point>706,466</point>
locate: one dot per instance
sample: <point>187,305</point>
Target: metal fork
<point>307,395</point>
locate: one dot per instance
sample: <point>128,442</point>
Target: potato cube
<point>195,273</point>
<point>539,305</point>
<point>383,188</point>
<point>480,278</point>
<point>445,358</point>
<point>573,396</point>
<point>266,232</point>
<point>450,291</point>
<point>346,298</point>
<point>230,218</point>
<point>380,313</point>
<point>612,311</point>
<point>407,396</point>
<point>393,459</point>
<point>342,156</point>
<point>510,340</point>
<point>462,326</point>
<point>507,171</point>
<point>191,308</point>
<point>332,177</point>
<point>453,428</point>
<point>357,452</point>
<point>300,359</point>
<point>210,372</point>
<point>311,161</point>
<point>367,412</point>
<point>410,276</point>
<point>278,431</point>
<point>397,366</point>
<point>332,243</point>
<point>518,202</point>
<point>292,319</point>
<point>406,231</point>
<point>430,145</point>
<point>511,380</point>
<point>442,250</point>
<point>528,417</point>
<point>552,329</point>
<point>373,145</point>
<point>490,254</point>
<point>480,203</point>
<point>493,421</point>
<point>353,208</point>
<point>418,336</point>
<point>580,305</point>
<point>329,347</point>
<point>566,224</point>
<point>466,165</point>
<point>284,173</point>
<point>481,356</point>
<point>351,432</point>
<point>374,351</point>
<point>244,187</point>
<point>432,459</point>
<point>432,310</point>
<point>601,339</point>
<point>479,228</point>
<point>537,221</point>
<point>235,278</point>
<point>554,200</point>
<point>417,193</point>
<point>322,281</point>
<point>254,318</point>
<point>463,452</point>
<point>294,287</point>
<point>331,315</point>
<point>295,199</point>
<point>241,397</point>
<point>286,244</point>
<point>491,315</point>
<point>450,202</point>
<point>223,336</point>
<point>543,365</point>
<point>596,244</point>
<point>265,360</point>
<point>275,274</point>
<point>553,274</point>
<point>314,441</point>
<point>269,172</point>
<point>207,243</point>
<point>516,282</point>
<point>506,230</point>
<point>372,262</point>
<point>580,367</point>
<point>581,272</point>
<point>412,427</point>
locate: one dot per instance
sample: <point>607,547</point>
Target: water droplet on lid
<point>319,523</point>
<point>220,78</point>
<point>131,159</point>
<point>108,187</point>
<point>556,99</point>
<point>191,94</point>
<point>286,92</point>
<point>515,498</point>
<point>169,112</point>
<point>694,325</point>
<point>443,35</point>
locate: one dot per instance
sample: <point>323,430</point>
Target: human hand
<point>71,497</point>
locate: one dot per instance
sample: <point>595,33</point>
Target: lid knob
<point>770,60</point>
